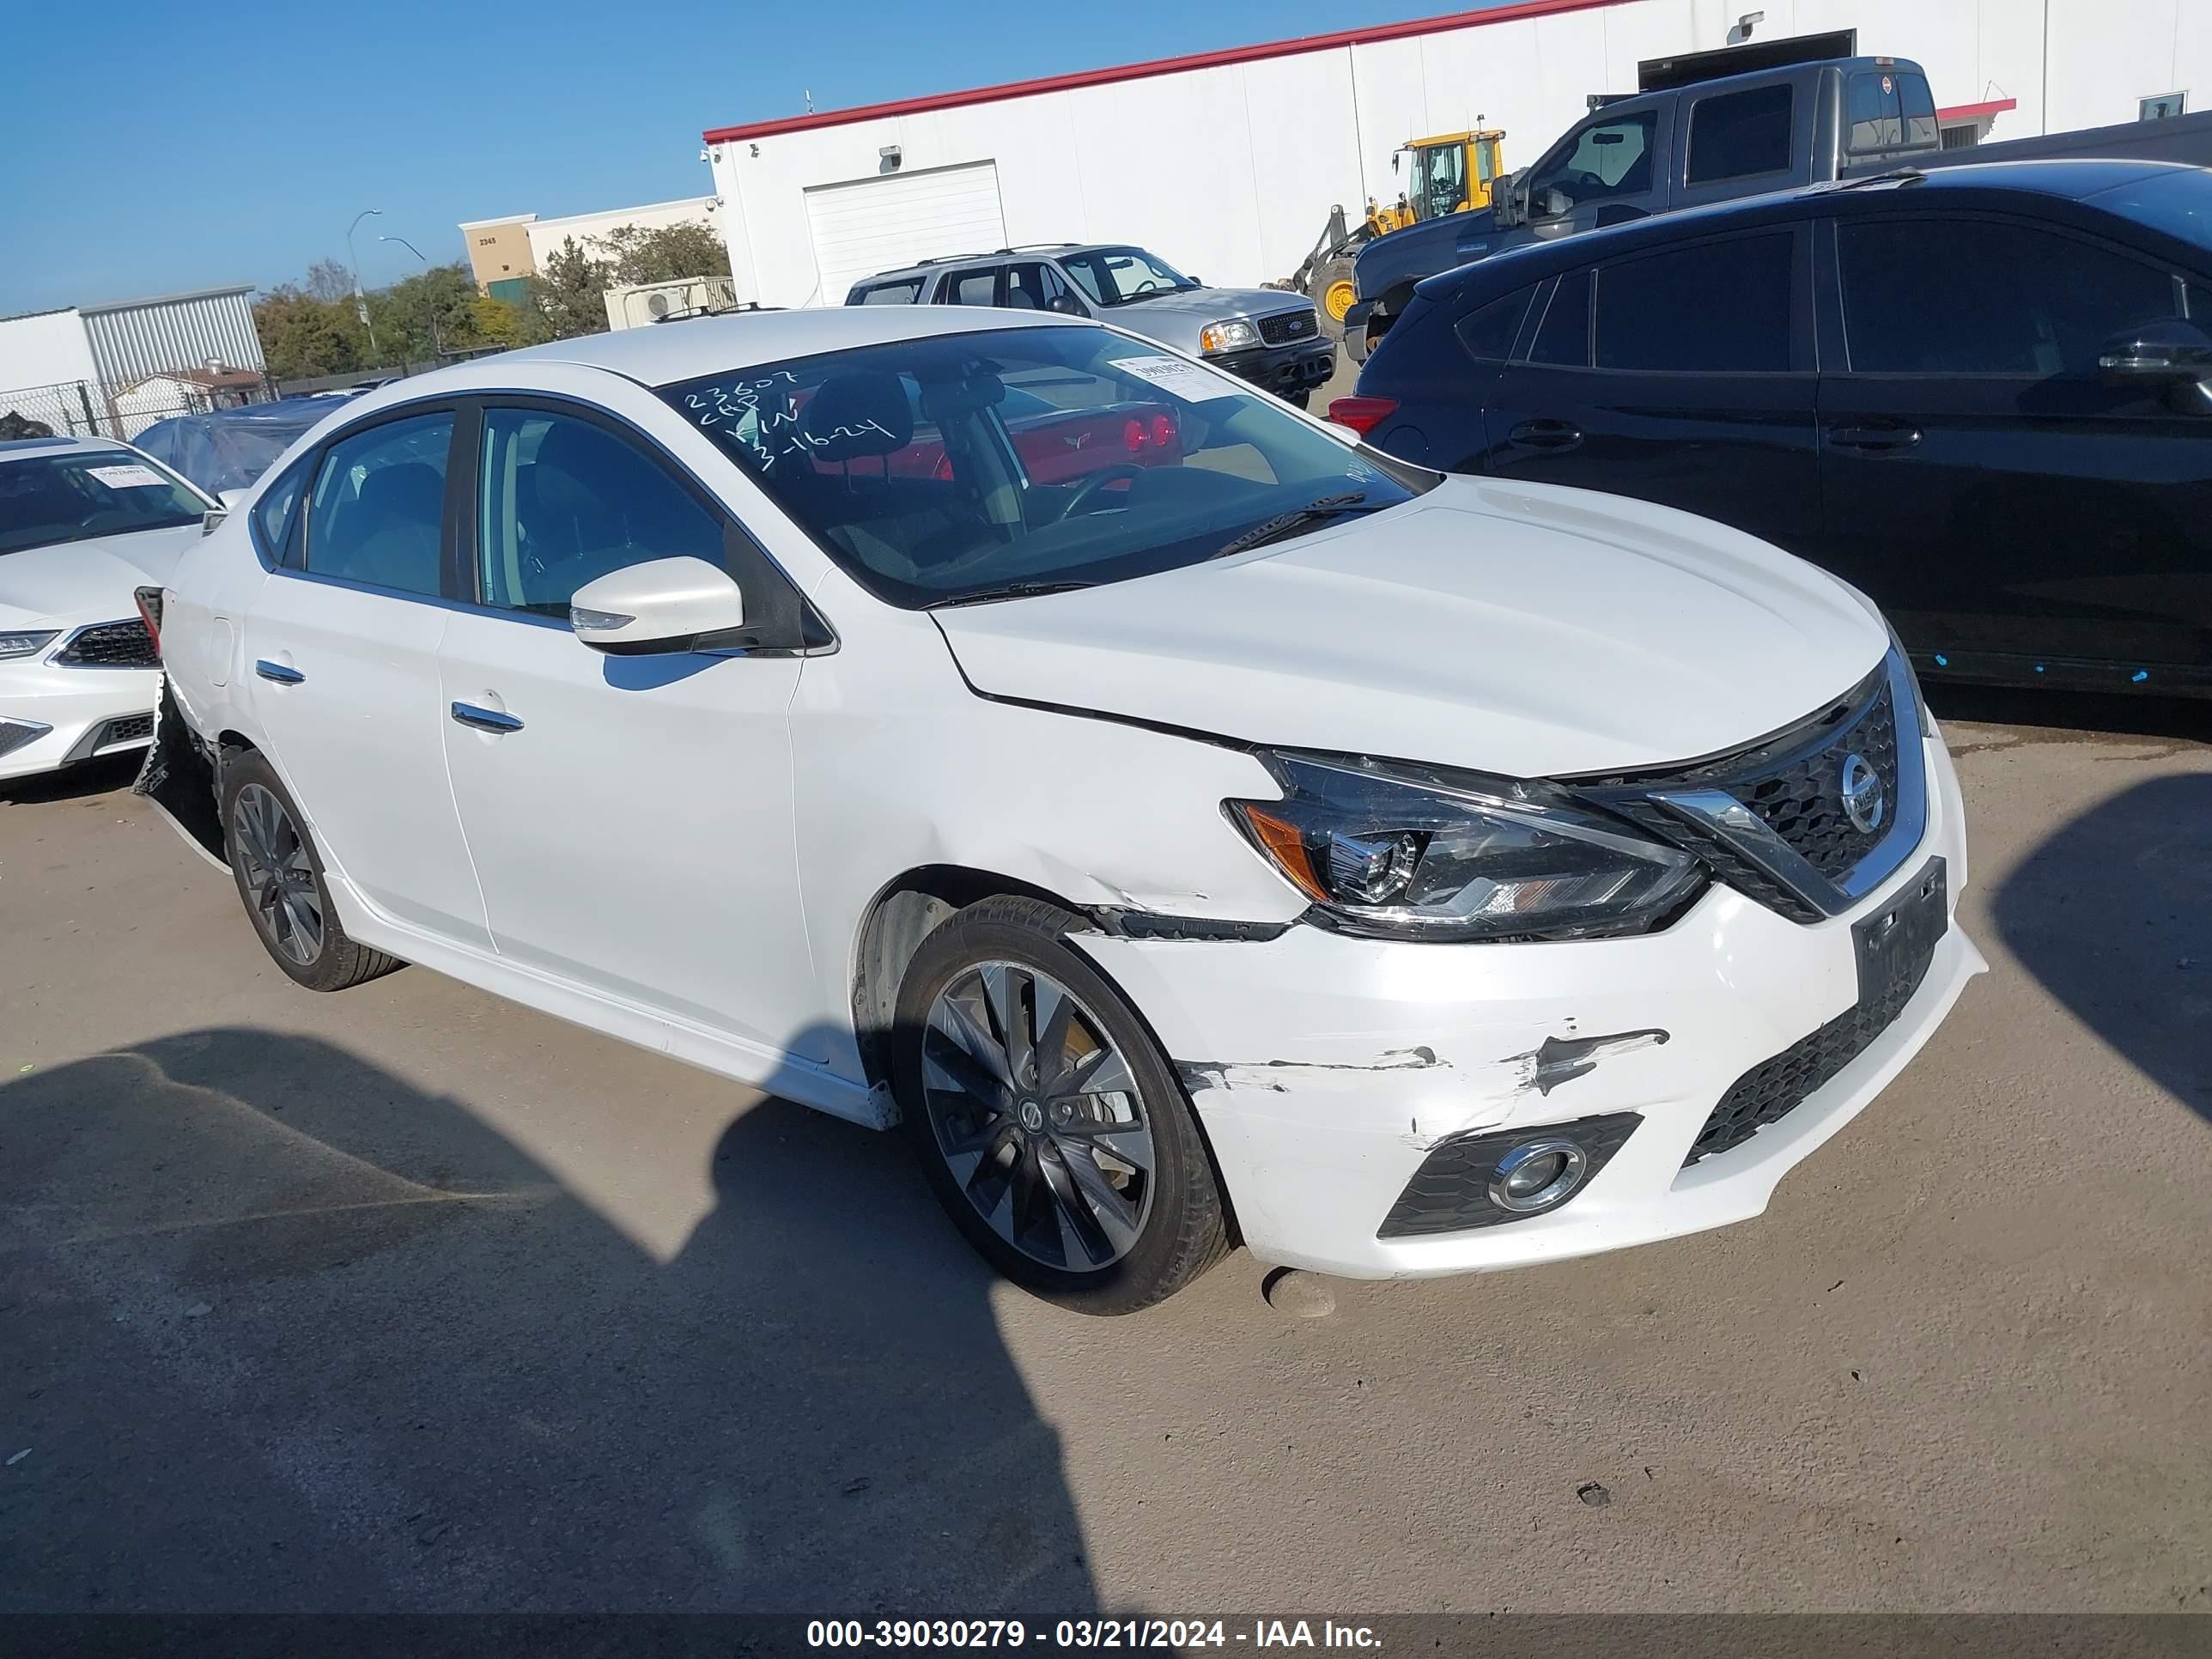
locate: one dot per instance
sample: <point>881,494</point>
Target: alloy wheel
<point>1037,1116</point>
<point>280,881</point>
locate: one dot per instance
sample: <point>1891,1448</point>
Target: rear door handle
<point>1546,435</point>
<point>277,671</point>
<point>485,720</point>
<point>1877,438</point>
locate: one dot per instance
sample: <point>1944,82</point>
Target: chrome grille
<point>1771,820</point>
<point>1286,326</point>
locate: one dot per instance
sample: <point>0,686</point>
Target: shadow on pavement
<point>91,777</point>
<point>281,1333</point>
<point>2114,913</point>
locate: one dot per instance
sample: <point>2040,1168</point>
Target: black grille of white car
<point>1286,326</point>
<point>110,645</point>
<point>1794,787</point>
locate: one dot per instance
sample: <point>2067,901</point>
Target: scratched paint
<point>1279,1074</point>
<point>1556,1060</point>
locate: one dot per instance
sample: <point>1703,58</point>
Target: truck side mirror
<point>2171,357</point>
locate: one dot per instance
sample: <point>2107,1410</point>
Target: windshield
<point>1119,276</point>
<point>960,467</point>
<point>73,496</point>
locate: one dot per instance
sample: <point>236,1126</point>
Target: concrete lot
<point>408,1298</point>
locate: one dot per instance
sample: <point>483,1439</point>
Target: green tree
<point>569,292</point>
<point>669,253</point>
<point>302,337</point>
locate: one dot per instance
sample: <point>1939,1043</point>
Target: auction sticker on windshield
<point>129,476</point>
<point>1185,380</point>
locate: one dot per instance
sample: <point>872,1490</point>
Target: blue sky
<point>153,147</point>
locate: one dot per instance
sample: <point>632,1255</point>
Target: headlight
<point>25,644</point>
<point>1230,336</point>
<point>1399,851</point>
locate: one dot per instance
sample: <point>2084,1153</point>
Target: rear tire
<point>1045,1117</point>
<point>281,882</point>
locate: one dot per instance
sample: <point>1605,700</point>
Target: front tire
<point>281,882</point>
<point>1046,1118</point>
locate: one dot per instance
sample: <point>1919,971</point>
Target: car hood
<point>89,581</point>
<point>1186,313</point>
<point>1526,631</point>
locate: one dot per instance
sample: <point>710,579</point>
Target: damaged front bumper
<point>1330,1071</point>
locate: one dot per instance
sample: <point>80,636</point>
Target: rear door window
<point>378,511</point>
<point>1738,134</point>
<point>970,288</point>
<point>905,291</point>
<point>1977,296</point>
<point>1563,338</point>
<point>1714,308</point>
<point>1488,332</point>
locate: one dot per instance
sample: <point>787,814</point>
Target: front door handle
<point>277,671</point>
<point>1546,435</point>
<point>485,720</point>
<point>1876,437</point>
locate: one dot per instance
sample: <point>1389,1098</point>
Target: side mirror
<point>1066,304</point>
<point>233,498</point>
<point>2167,354</point>
<point>661,606</point>
<point>1350,434</point>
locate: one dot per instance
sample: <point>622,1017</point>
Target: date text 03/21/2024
<point>1071,1634</point>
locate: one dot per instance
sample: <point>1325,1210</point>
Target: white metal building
<point>1227,162</point>
<point>61,366</point>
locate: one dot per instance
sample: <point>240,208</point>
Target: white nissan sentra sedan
<point>1193,828</point>
<point>83,523</point>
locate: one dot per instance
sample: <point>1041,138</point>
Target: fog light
<point>1537,1175</point>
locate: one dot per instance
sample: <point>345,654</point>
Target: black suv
<point>1983,395</point>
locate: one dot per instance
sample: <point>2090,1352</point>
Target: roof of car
<point>1984,184</point>
<point>15,448</point>
<point>713,345</point>
<point>1056,250</point>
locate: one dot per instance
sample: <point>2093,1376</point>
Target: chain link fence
<point>123,410</point>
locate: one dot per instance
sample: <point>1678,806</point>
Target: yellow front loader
<point>1452,173</point>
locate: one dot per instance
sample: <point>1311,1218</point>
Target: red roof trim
<point>1977,112</point>
<point>1100,77</point>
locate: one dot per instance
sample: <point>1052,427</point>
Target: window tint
<point>1718,308</point>
<point>1563,339</point>
<point>564,501</point>
<point>1885,108</point>
<point>970,288</point>
<point>904,292</point>
<point>2200,304</point>
<point>1488,332</point>
<point>1033,287</point>
<point>1919,103</point>
<point>272,513</point>
<point>1963,296</point>
<point>377,505</point>
<point>1611,158</point>
<point>1740,133</point>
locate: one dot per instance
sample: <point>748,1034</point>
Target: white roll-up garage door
<point>874,224</point>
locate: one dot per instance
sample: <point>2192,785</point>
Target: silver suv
<point>1271,338</point>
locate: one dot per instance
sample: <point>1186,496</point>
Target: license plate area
<point>1896,942</point>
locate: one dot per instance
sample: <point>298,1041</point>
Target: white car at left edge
<point>83,523</point>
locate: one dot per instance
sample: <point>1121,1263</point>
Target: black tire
<point>1327,274</point>
<point>1298,399</point>
<point>334,962</point>
<point>1184,1232</point>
